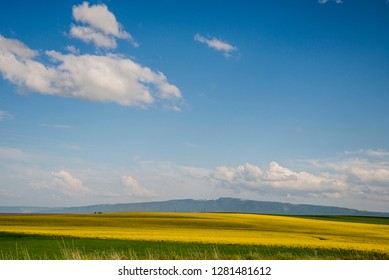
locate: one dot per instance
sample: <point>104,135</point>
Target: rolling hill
<point>216,205</point>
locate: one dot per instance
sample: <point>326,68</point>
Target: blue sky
<point>127,101</point>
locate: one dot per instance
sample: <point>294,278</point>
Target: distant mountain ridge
<point>226,204</point>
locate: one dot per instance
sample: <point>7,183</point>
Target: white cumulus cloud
<point>69,184</point>
<point>247,173</point>
<point>133,188</point>
<point>100,26</point>
<point>276,177</point>
<point>17,65</point>
<point>216,44</point>
<point>364,172</point>
<point>379,175</point>
<point>104,78</point>
<point>111,78</point>
<point>72,49</point>
<point>16,48</point>
<point>280,177</point>
<point>88,35</point>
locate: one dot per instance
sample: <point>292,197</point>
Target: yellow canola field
<point>207,228</point>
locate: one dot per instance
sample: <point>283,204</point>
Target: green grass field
<point>192,236</point>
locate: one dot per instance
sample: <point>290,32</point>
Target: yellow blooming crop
<point>207,228</point>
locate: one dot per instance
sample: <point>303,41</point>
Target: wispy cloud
<point>12,153</point>
<point>326,1</point>
<point>5,115</point>
<point>104,78</point>
<point>378,153</point>
<point>100,26</point>
<point>216,44</point>
<point>65,126</point>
